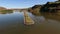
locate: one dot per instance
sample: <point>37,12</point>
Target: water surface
<point>13,23</point>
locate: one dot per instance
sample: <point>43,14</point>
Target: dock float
<point>27,19</point>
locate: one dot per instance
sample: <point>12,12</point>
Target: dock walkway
<point>27,19</point>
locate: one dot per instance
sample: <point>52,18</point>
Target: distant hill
<point>51,7</point>
<point>35,9</point>
<point>2,8</point>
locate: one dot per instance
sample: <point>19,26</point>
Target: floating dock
<point>27,19</point>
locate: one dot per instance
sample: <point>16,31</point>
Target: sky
<point>22,3</point>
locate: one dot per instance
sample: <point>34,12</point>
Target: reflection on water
<point>47,17</point>
<point>10,21</point>
<point>13,23</point>
<point>5,12</point>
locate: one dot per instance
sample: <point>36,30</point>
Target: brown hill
<point>2,8</point>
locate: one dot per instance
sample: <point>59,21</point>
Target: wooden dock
<point>27,19</point>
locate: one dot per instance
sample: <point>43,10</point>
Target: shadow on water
<point>46,23</point>
<point>54,16</point>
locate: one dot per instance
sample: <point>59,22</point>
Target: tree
<point>58,0</point>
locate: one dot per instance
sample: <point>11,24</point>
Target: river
<point>13,23</point>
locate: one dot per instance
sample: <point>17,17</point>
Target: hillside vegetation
<point>50,7</point>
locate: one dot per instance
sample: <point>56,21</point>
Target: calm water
<point>13,23</point>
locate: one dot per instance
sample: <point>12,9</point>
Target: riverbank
<point>5,11</point>
<point>49,7</point>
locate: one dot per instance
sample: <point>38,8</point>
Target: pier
<point>27,19</point>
